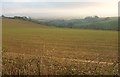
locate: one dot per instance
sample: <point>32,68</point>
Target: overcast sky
<point>60,8</point>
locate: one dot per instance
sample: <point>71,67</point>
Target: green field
<point>42,50</point>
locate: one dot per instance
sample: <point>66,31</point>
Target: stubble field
<point>34,49</point>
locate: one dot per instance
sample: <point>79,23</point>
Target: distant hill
<point>108,23</point>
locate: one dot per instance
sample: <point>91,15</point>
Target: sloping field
<point>34,49</point>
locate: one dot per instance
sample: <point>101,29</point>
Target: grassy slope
<point>29,38</point>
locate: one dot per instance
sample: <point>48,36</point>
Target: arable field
<point>34,49</point>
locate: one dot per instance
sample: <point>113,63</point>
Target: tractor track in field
<point>57,58</point>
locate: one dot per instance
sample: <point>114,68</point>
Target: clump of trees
<point>91,17</point>
<point>17,17</point>
<point>23,17</point>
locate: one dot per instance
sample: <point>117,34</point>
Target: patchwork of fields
<point>34,49</point>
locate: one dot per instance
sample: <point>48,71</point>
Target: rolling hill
<point>108,23</point>
<point>19,23</point>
